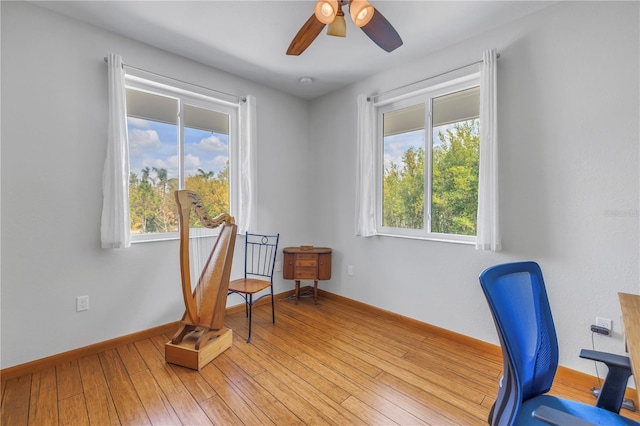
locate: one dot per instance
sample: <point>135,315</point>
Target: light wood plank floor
<point>330,363</point>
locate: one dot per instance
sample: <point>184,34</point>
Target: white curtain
<point>365,175</point>
<point>247,152</point>
<point>115,228</point>
<point>488,237</point>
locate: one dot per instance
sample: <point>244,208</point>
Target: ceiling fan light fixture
<point>361,12</point>
<point>338,27</point>
<point>329,13</point>
<point>326,10</point>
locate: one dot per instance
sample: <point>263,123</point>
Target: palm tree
<point>161,176</point>
<point>145,174</point>
<point>205,175</point>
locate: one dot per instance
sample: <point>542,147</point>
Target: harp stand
<point>202,335</point>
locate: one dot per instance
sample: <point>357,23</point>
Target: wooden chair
<point>259,262</point>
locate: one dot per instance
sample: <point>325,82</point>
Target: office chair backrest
<point>518,301</point>
<point>260,255</point>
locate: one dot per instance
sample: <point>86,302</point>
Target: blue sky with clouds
<point>154,144</point>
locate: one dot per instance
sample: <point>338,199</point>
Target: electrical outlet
<point>278,266</point>
<point>603,322</point>
<point>350,270</point>
<point>82,303</point>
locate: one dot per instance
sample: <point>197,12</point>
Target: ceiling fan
<point>329,12</point>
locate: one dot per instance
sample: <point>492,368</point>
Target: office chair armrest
<point>612,393</point>
<point>555,417</point>
<point>619,361</point>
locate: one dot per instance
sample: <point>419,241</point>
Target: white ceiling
<point>250,38</point>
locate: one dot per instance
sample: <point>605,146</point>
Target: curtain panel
<point>115,229</point>
<point>247,152</point>
<point>365,170</point>
<point>488,231</point>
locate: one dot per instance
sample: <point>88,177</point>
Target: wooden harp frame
<point>213,285</point>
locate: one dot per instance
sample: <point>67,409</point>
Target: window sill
<point>151,238</point>
<point>168,236</point>
<point>458,239</point>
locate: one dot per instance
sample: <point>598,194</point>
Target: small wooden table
<point>307,263</point>
<point>630,305</point>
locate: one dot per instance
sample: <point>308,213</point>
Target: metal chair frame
<point>259,263</point>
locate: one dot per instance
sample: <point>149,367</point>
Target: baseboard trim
<point>53,360</point>
<point>563,373</point>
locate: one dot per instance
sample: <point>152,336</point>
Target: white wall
<point>54,119</point>
<point>569,112</point>
<point>569,126</point>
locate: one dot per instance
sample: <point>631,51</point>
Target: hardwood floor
<point>331,363</point>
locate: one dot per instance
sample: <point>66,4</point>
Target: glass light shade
<point>326,10</point>
<point>338,27</point>
<point>361,12</point>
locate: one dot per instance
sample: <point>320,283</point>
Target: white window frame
<point>425,95</point>
<point>187,95</point>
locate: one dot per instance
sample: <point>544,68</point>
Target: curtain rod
<point>240,98</point>
<point>369,98</point>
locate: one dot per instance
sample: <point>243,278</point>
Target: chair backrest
<point>260,255</point>
<point>519,304</point>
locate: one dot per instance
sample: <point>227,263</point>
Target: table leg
<point>315,291</point>
<point>297,291</point>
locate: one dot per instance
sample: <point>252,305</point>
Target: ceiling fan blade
<point>305,36</point>
<point>382,32</point>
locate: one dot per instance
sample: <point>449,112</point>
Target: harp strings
<point>201,243</point>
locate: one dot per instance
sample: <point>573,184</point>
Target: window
<point>428,164</point>
<point>177,140</point>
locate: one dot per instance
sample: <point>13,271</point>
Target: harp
<point>205,303</point>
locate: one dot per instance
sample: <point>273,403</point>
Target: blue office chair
<point>518,301</point>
